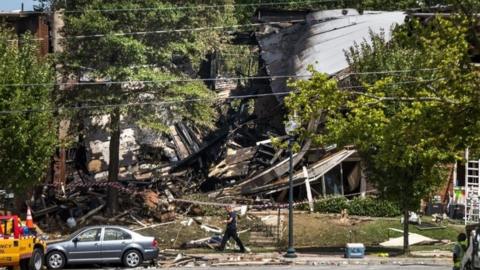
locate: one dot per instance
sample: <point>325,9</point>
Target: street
<point>300,267</point>
<point>346,267</point>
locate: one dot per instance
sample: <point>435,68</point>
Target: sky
<point>8,5</point>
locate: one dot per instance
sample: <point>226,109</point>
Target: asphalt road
<point>343,267</point>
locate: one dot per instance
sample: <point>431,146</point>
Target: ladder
<point>472,193</point>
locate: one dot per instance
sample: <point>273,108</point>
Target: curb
<point>312,260</point>
<point>369,261</point>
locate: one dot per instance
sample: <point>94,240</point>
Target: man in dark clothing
<point>459,251</point>
<point>231,230</point>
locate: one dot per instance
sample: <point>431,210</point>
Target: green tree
<point>246,8</point>
<point>470,9</point>
<point>397,5</point>
<point>159,55</point>
<point>27,124</point>
<point>407,125</point>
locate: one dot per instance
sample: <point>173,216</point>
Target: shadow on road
<point>340,251</point>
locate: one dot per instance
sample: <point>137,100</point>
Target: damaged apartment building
<point>237,158</point>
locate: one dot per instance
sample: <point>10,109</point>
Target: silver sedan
<point>102,244</point>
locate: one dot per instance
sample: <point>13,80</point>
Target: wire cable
<point>176,101</point>
<point>271,77</point>
<point>194,7</point>
<point>166,31</point>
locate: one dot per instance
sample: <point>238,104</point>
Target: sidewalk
<point>274,258</point>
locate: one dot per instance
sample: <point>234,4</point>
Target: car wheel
<point>132,258</point>
<point>36,261</point>
<point>56,260</point>
<point>23,265</point>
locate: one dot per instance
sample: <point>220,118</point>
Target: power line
<point>272,77</point>
<point>167,31</point>
<point>284,3</point>
<point>170,102</point>
<point>159,103</point>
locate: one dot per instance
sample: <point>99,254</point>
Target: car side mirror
<point>75,240</point>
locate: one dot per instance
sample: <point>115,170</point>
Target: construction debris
<point>171,259</point>
<point>82,204</point>
<point>238,165</point>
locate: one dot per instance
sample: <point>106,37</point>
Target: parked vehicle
<point>102,244</point>
<point>20,248</point>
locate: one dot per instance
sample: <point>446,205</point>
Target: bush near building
<point>358,206</point>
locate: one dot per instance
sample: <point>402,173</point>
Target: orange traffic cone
<point>29,221</point>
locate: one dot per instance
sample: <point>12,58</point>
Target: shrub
<point>331,205</point>
<point>372,207</point>
<point>358,206</point>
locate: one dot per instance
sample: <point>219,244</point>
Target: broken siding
<point>132,137</point>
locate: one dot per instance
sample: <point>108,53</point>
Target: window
<point>89,236</point>
<point>115,234</point>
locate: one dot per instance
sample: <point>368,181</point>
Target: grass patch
<point>316,230</point>
<point>323,233</point>
<point>173,235</point>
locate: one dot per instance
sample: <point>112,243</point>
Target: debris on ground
<point>430,226</point>
<point>413,239</point>
<point>83,204</point>
<point>172,259</point>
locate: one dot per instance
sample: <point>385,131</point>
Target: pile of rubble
<point>173,259</point>
<point>223,159</point>
<point>66,207</point>
<point>236,165</point>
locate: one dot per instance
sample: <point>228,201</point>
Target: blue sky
<point>8,5</point>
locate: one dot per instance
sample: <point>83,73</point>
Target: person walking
<point>459,251</point>
<point>231,230</point>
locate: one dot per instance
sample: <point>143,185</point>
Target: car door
<point>115,241</point>
<point>85,247</point>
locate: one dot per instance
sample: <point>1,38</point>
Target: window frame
<point>79,240</point>
<point>125,233</point>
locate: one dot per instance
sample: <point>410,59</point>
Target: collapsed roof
<point>320,40</point>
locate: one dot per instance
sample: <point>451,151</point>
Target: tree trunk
<point>113,165</point>
<point>406,248</point>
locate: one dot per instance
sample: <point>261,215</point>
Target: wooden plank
<point>187,139</point>
<point>89,214</point>
<point>307,187</point>
<point>363,179</point>
<point>341,179</point>
<point>276,156</point>
<point>180,148</point>
<point>237,156</point>
<point>324,188</point>
<point>153,226</point>
<point>45,211</point>
<point>278,170</point>
<point>316,171</point>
